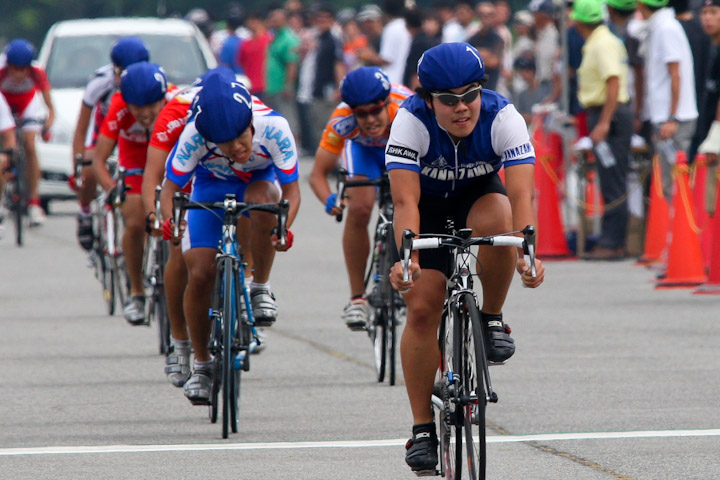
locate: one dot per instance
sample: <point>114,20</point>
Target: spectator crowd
<point>647,67</point>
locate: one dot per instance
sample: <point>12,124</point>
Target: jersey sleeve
<point>169,125</point>
<point>342,125</point>
<point>97,87</point>
<point>111,124</point>
<point>40,78</point>
<point>510,139</point>
<point>185,156</point>
<point>279,144</point>
<point>408,143</point>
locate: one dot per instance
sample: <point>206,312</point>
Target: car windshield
<point>74,58</point>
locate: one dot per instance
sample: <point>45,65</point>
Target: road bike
<point>386,305</point>
<point>17,193</point>
<point>106,254</point>
<point>464,387</point>
<point>233,337</point>
<point>156,255</point>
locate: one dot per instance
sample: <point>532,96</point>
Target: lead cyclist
<point>446,147</point>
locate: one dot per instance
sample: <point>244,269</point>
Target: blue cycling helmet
<point>221,70</point>
<point>450,65</point>
<point>20,52</point>
<point>222,109</point>
<point>129,50</point>
<point>364,85</point>
<point>143,83</point>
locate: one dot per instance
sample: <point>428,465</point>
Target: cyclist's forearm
<point>103,149</point>
<point>152,176</point>
<point>291,192</point>
<point>169,190</point>
<point>81,129</point>
<point>50,107</point>
<point>323,165</point>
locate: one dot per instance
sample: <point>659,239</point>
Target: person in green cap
<point>603,93</point>
<point>669,101</point>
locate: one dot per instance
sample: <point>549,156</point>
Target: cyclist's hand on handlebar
<point>275,240</point>
<point>149,222</point>
<point>168,231</point>
<point>524,270</point>
<point>330,207</point>
<point>396,276</point>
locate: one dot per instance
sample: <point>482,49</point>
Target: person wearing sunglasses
<point>446,147</point>
<point>356,133</point>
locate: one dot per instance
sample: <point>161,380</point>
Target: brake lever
<point>529,247</point>
<point>407,239</point>
<point>340,187</point>
<point>282,221</point>
<point>158,191</point>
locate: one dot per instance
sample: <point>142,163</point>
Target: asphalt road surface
<point>611,379</point>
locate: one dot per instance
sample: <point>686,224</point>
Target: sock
<point>35,201</point>
<point>492,317</point>
<point>204,365</point>
<point>358,299</point>
<point>183,344</point>
<point>424,428</point>
<point>254,286</point>
<point>85,210</point>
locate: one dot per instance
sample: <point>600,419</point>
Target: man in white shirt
<point>395,41</point>
<point>669,101</point>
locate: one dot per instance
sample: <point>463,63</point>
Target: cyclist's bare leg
<point>356,241</point>
<point>243,238</point>
<point>133,241</point>
<point>175,280</point>
<point>201,269</point>
<point>262,224</point>
<point>419,350</point>
<point>31,161</point>
<point>88,190</point>
<point>490,215</point>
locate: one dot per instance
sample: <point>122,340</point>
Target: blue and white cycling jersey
<point>273,145</point>
<point>418,143</point>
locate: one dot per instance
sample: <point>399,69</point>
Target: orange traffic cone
<point>594,206</point>
<point>698,181</point>
<point>712,285</point>
<point>658,219</point>
<point>551,241</point>
<point>685,267</point>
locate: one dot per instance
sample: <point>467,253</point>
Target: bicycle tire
<point>450,452</point>
<point>473,384</point>
<point>122,278</point>
<point>108,279</point>
<point>20,193</point>
<point>228,293</point>
<point>239,341</point>
<point>162,319</point>
<point>379,338</point>
<point>392,342</point>
<point>216,344</point>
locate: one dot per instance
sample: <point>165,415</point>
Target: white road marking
<point>549,437</point>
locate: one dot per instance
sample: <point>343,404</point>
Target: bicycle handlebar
<point>342,184</point>
<point>412,241</point>
<point>232,208</point>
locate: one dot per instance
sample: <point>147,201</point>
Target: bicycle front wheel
<point>473,387</point>
<point>450,413</point>
<point>227,364</point>
<point>378,335</point>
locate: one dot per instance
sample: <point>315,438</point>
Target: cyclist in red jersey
<point>20,83</point>
<point>129,122</point>
<point>95,103</point>
<point>168,127</point>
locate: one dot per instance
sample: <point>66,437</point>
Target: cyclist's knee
<point>359,213</point>
<point>201,276</point>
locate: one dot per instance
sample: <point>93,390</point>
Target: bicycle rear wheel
<point>378,335</point>
<point>108,279</point>
<point>473,387</point>
<point>20,198</point>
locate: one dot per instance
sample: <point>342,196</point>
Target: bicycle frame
<point>234,335</point>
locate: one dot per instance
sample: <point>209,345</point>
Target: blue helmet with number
<point>222,109</point>
<point>129,50</point>
<point>450,65</point>
<point>143,83</point>
<point>365,85</point>
<point>20,52</point>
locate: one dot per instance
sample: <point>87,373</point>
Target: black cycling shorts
<point>435,211</point>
